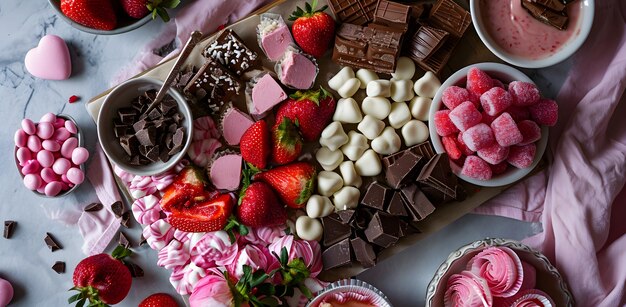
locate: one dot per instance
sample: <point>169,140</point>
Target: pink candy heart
<point>50,59</point>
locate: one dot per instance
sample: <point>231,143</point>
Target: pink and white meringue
<point>501,268</point>
<point>185,278</point>
<point>158,234</point>
<point>257,257</point>
<point>214,249</point>
<point>146,209</point>
<point>205,128</point>
<point>532,298</point>
<point>309,251</point>
<point>174,254</point>
<point>125,176</point>
<point>141,186</point>
<point>200,152</point>
<point>467,290</point>
<point>212,290</point>
<point>263,235</point>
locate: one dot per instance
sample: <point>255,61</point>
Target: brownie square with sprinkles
<point>229,50</point>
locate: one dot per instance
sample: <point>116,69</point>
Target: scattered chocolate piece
<point>52,244</point>
<point>383,230</point>
<point>9,228</point>
<point>376,196</point>
<point>93,207</point>
<point>447,15</point>
<point>407,229</point>
<point>135,270</point>
<point>126,220</point>
<point>363,252</point>
<point>555,5</point>
<point>213,85</point>
<point>361,219</point>
<point>544,14</point>
<point>127,115</point>
<point>230,50</point>
<point>334,230</point>
<point>425,42</point>
<point>358,12</point>
<point>396,205</point>
<point>345,216</point>
<point>123,240</point>
<point>130,144</point>
<point>142,240</point>
<point>117,208</point>
<point>422,149</point>
<point>146,136</point>
<point>392,14</point>
<point>418,205</point>
<point>59,267</point>
<point>337,255</point>
<point>403,169</point>
<point>438,181</point>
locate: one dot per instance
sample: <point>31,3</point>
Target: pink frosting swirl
<point>533,298</point>
<point>147,209</point>
<point>501,268</point>
<point>309,251</point>
<point>158,234</point>
<point>185,278</point>
<point>200,152</point>
<point>205,128</point>
<point>212,290</point>
<point>174,254</point>
<point>214,249</point>
<point>263,235</point>
<point>257,257</point>
<point>467,290</point>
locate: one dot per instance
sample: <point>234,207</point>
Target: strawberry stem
<point>121,252</point>
<point>309,10</point>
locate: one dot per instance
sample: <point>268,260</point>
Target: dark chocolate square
<point>418,205</point>
<point>337,255</point>
<point>383,230</point>
<point>334,230</point>
<point>363,252</point>
<point>376,196</point>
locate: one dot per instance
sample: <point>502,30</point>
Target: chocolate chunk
<point>425,42</point>
<point>334,230</point>
<point>345,216</point>
<point>121,131</point>
<point>418,10</point>
<point>140,125</point>
<point>130,144</point>
<point>417,204</point>
<point>9,228</point>
<point>407,229</point>
<point>117,208</point>
<point>423,149</point>
<point>168,104</point>
<point>396,205</point>
<point>146,136</point>
<point>361,219</point>
<point>179,136</point>
<point>178,118</point>
<point>93,207</point>
<point>135,270</point>
<point>142,240</point>
<point>544,14</point>
<point>437,61</point>
<point>214,85</point>
<point>404,169</point>
<point>154,154</point>
<point>363,252</point>
<point>359,12</point>
<point>59,267</point>
<point>383,230</point>
<point>123,240</point>
<point>337,255</point>
<point>437,175</point>
<point>52,244</point>
<point>555,5</point>
<point>164,156</point>
<point>230,50</point>
<point>447,15</point>
<point>134,160</point>
<point>127,115</point>
<point>376,196</point>
<point>154,114</point>
<point>392,14</point>
<point>126,220</point>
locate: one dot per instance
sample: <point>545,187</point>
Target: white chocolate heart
<point>379,88</point>
<point>402,90</point>
<point>356,146</point>
<point>399,115</point>
<point>366,76</point>
<point>427,85</point>
<point>319,206</point>
<point>347,111</point>
<point>378,107</point>
<point>405,69</point>
<point>420,107</point>
<point>328,183</point>
<point>340,78</point>
<point>387,142</point>
<point>309,229</point>
<point>368,164</point>
<point>349,87</point>
<point>333,136</point>
<point>371,127</point>
<point>329,159</point>
<point>349,175</point>
<point>346,198</point>
<point>414,132</point>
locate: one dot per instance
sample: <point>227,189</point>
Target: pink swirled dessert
<point>501,268</point>
<point>255,256</point>
<point>205,128</point>
<point>185,278</point>
<point>158,234</point>
<point>200,152</point>
<point>467,290</point>
<point>533,298</point>
<point>309,251</point>
<point>175,254</point>
<point>146,210</point>
<point>214,249</point>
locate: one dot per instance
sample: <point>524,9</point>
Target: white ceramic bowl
<point>586,21</point>
<point>548,278</point>
<point>122,96</point>
<point>505,74</point>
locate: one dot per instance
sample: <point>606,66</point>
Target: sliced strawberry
<point>294,183</point>
<point>188,184</point>
<point>210,215</point>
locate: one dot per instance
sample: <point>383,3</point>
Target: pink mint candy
<point>70,126</point>
<point>64,179</point>
<point>45,130</point>
<point>499,168</point>
<point>48,118</point>
<point>53,188</point>
<point>28,126</point>
<point>31,167</point>
<point>443,124</point>
<point>465,116</point>
<point>494,154</point>
<point>524,93</point>
<point>478,137</point>
<point>23,155</point>
<point>32,181</point>
<point>505,130</point>
<point>545,112</point>
<point>461,144</point>
<point>51,145</point>
<point>522,156</point>
<point>58,123</point>
<point>477,168</point>
<point>68,147</point>
<point>478,81</point>
<point>530,132</point>
<point>61,165</point>
<point>21,138</point>
<point>45,158</point>
<point>75,175</point>
<point>79,155</point>
<point>33,143</point>
<point>6,292</point>
<point>495,101</point>
<point>518,113</point>
<point>454,96</point>
<point>48,175</point>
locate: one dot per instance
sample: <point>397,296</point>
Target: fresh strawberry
<point>189,183</point>
<point>287,142</point>
<point>311,110</point>
<point>255,145</point>
<point>158,300</point>
<point>141,8</point>
<point>259,206</point>
<point>102,279</point>
<point>293,182</point>
<point>210,215</point>
<point>96,14</point>
<point>312,29</point>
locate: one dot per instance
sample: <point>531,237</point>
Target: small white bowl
<point>586,21</point>
<point>122,96</point>
<point>505,74</point>
<point>548,278</point>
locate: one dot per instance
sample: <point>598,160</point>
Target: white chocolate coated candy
<point>402,90</point>
<point>329,159</point>
<point>405,69</point>
<point>309,229</point>
<point>414,132</point>
<point>368,164</point>
<point>319,206</point>
<point>427,85</point>
<point>379,88</point>
<point>420,107</point>
<point>328,183</point>
<point>366,76</point>
<point>356,146</point>
<point>349,87</point>
<point>347,111</point>
<point>340,78</point>
<point>399,115</point>
<point>333,136</point>
<point>387,142</point>
<point>346,198</point>
<point>349,175</point>
<point>378,107</point>
<point>371,127</point>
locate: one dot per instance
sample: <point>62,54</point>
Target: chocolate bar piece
<point>544,14</point>
<point>59,267</point>
<point>396,205</point>
<point>93,207</point>
<point>125,219</point>
<point>117,208</point>
<point>392,14</point>
<point>361,219</point>
<point>438,175</point>
<point>403,169</point>
<point>363,252</point>
<point>52,244</point>
<point>555,5</point>
<point>376,196</point>
<point>436,61</point>
<point>383,230</point>
<point>422,149</point>
<point>418,205</point>
<point>334,230</point>
<point>135,270</point>
<point>337,255</point>
<point>142,240</point>
<point>358,12</point>
<point>229,50</point>
<point>425,42</point>
<point>447,15</point>
<point>214,84</point>
<point>345,216</point>
<point>123,240</point>
<point>407,229</point>
<point>9,228</point>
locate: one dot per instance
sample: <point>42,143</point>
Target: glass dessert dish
<point>350,293</point>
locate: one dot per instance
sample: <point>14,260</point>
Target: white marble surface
<point>25,260</point>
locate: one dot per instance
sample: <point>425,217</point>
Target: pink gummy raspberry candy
<point>498,83</point>
<point>451,147</point>
<point>494,154</point>
<point>454,96</point>
<point>524,93</point>
<point>478,137</point>
<point>505,130</point>
<point>518,113</point>
<point>461,145</point>
<point>465,116</point>
<point>443,124</point>
<point>522,156</point>
<point>499,168</point>
<point>478,81</point>
<point>545,112</point>
<point>530,131</point>
<point>488,119</point>
<point>477,168</point>
<point>495,101</point>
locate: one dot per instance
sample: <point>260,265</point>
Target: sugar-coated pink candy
<point>478,137</point>
<point>45,130</point>
<point>61,165</point>
<point>454,96</point>
<point>68,147</point>
<point>48,175</point>
<point>61,134</point>
<point>60,122</point>
<point>545,112</point>
<point>505,130</point>
<point>51,145</point>
<point>53,188</point>
<point>488,119</point>
<point>75,175</point>
<point>33,143</point>
<point>31,167</point>
<point>23,154</point>
<point>443,124</point>
<point>518,113</point>
<point>465,116</point>
<point>478,81</point>
<point>522,156</point>
<point>6,292</point>
<point>45,158</point>
<point>461,144</point>
<point>48,118</point>
<point>79,155</point>
<point>20,138</point>
<point>29,126</point>
<point>32,181</point>
<point>530,131</point>
<point>70,126</point>
<point>495,101</point>
<point>494,154</point>
<point>498,83</point>
<point>499,168</point>
<point>524,93</point>
<point>477,168</point>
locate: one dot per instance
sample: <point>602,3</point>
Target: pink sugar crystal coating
<point>505,130</point>
<point>524,93</point>
<point>443,124</point>
<point>266,93</point>
<point>234,125</point>
<point>478,81</point>
<point>488,119</point>
<point>454,96</point>
<point>478,137</point>
<point>461,144</point>
<point>494,154</point>
<point>297,71</point>
<point>518,113</point>
<point>498,83</point>
<point>465,116</point>
<point>225,172</point>
<point>530,131</point>
<point>499,168</point>
<point>477,168</point>
<point>495,101</point>
<point>522,156</point>
<point>545,112</point>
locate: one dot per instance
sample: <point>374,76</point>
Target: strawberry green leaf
<point>305,291</point>
<point>121,252</point>
<point>243,230</point>
<point>163,14</point>
<point>307,6</point>
<point>81,303</point>
<point>171,4</point>
<point>74,298</point>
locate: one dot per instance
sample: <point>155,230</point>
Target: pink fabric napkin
<point>578,198</point>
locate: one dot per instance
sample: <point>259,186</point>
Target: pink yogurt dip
<point>520,34</point>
